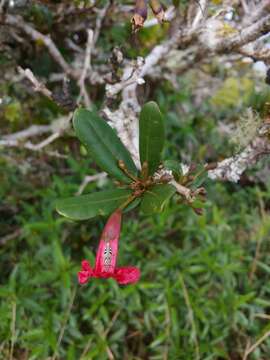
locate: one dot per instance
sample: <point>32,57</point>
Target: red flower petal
<point>85,273</point>
<point>105,265</point>
<point>108,246</point>
<point>127,275</point>
<point>86,266</point>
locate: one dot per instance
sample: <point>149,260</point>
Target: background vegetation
<point>204,290</point>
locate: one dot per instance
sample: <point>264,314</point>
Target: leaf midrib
<point>110,149</point>
<point>97,201</point>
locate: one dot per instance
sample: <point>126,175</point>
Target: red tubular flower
<point>105,266</point>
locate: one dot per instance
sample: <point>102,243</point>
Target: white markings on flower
<point>107,256</point>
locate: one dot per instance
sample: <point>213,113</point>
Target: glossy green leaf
<point>102,144</point>
<point>175,167</point>
<point>201,175</point>
<point>133,205</point>
<point>88,206</point>
<point>152,135</point>
<point>155,199</point>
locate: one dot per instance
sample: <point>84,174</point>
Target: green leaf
<point>152,135</point>
<point>88,206</point>
<point>102,144</point>
<point>132,205</point>
<point>201,175</point>
<point>175,167</point>
<point>155,199</point>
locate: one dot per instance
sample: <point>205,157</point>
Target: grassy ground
<point>204,283</point>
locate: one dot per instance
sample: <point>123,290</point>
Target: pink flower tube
<point>106,258</point>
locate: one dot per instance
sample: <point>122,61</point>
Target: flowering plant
<point>106,258</point>
<point>151,186</point>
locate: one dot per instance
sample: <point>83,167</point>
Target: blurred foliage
<point>200,290</point>
<point>233,92</point>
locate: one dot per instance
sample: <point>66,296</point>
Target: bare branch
<point>30,146</point>
<point>256,12</point>
<point>33,130</point>
<point>86,68</point>
<point>43,143</point>
<point>57,128</point>
<point>90,178</point>
<point>201,13</point>
<point>19,23</point>
<point>101,15</point>
<point>232,168</point>
<point>37,85</point>
<point>131,76</point>
<point>169,15</point>
<point>246,35</point>
<point>262,54</point>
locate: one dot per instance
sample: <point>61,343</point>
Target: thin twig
<point>90,178</point>
<point>44,143</point>
<point>250,349</point>
<point>201,13</point>
<point>57,128</point>
<point>100,17</point>
<point>169,15</point>
<point>263,316</point>
<point>113,320</point>
<point>19,23</point>
<point>182,190</point>
<point>37,85</point>
<point>86,68</point>
<point>33,130</point>
<point>86,349</point>
<point>13,235</point>
<point>30,146</point>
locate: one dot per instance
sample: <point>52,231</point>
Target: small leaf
<point>198,204</point>
<point>132,205</point>
<point>103,144</point>
<point>152,135</point>
<point>201,175</point>
<point>155,199</point>
<point>175,167</point>
<point>88,206</point>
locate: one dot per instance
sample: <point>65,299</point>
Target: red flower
<point>105,266</point>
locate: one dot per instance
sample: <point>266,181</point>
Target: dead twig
<point>37,85</point>
<point>88,179</point>
<point>18,22</point>
<point>86,68</point>
<point>12,236</point>
<point>250,349</point>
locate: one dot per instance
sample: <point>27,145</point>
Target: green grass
<point>196,293</point>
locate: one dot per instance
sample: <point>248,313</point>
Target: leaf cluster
<point>106,149</point>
